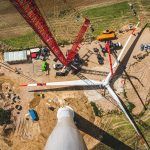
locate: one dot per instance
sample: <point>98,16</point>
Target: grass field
<point>112,16</point>
<point>119,127</point>
<point>28,40</point>
<point>108,12</point>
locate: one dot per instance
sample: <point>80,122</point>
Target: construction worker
<point>131,6</point>
<point>102,50</point>
<point>92,29</point>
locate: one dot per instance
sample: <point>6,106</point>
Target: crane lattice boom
<point>31,13</point>
<point>107,47</point>
<point>76,45</point>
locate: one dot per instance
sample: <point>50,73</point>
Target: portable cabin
<point>16,57</point>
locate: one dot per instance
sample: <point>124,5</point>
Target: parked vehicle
<point>44,66</point>
<point>100,59</point>
<point>148,46</point>
<point>18,107</point>
<point>58,66</point>
<point>33,114</point>
<point>76,65</point>
<point>145,47</point>
<point>115,46</point>
<point>118,45</point>
<point>61,73</point>
<point>95,50</point>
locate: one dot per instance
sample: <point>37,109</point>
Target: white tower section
<point>65,135</point>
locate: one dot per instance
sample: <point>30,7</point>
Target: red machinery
<point>76,45</point>
<point>107,47</point>
<point>31,13</point>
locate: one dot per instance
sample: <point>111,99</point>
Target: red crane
<point>31,13</point>
<point>76,45</point>
<point>107,47</point>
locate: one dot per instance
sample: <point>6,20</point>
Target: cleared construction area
<point>89,87</point>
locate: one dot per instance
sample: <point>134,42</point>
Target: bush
<point>130,106</point>
<point>63,42</point>
<point>116,112</point>
<point>5,116</point>
<point>97,111</point>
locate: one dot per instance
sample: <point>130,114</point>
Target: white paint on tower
<point>65,135</point>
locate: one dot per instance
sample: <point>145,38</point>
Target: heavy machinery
<point>76,45</point>
<point>107,35</point>
<point>145,47</point>
<point>44,66</point>
<point>100,84</point>
<point>31,13</point>
<point>107,47</point>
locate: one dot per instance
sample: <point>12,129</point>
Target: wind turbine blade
<point>108,78</point>
<point>115,97</point>
<point>129,117</point>
<point>87,82</point>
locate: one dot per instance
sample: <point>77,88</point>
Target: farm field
<point>98,116</point>
<point>17,34</point>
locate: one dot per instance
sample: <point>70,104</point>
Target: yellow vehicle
<point>107,35</point>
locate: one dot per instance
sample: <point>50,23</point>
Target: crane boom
<point>31,13</point>
<point>75,48</point>
<point>107,47</point>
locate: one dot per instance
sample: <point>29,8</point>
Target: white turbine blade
<point>75,83</point>
<point>108,78</point>
<point>115,97</point>
<point>87,82</point>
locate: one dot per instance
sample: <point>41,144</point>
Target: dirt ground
<point>30,135</point>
